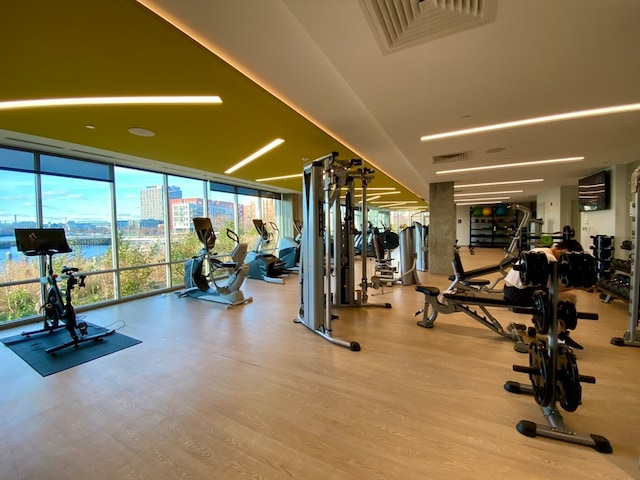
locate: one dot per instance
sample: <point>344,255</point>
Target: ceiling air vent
<point>451,157</point>
<point>91,153</point>
<point>399,24</point>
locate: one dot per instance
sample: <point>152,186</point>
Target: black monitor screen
<point>593,192</point>
<point>41,241</point>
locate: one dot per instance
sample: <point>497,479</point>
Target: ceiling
<point>315,74</point>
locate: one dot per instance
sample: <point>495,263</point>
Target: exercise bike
<point>206,286</point>
<point>58,312</point>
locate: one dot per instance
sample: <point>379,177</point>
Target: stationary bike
<point>58,312</point>
<point>205,285</point>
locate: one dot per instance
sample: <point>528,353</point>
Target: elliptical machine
<point>205,286</point>
<point>289,248</point>
<point>264,265</point>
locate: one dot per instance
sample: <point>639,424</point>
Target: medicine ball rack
<point>552,369</point>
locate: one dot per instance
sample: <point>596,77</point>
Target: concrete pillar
<point>442,227</point>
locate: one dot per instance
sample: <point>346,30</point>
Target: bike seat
<point>429,291</point>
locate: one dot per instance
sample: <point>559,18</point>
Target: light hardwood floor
<point>246,393</point>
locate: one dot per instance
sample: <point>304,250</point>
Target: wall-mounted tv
<point>593,192</point>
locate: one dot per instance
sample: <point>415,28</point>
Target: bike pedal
<point>83,328</point>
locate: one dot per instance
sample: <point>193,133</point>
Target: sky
<point>66,199</point>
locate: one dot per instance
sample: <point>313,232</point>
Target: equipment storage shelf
<point>492,226</point>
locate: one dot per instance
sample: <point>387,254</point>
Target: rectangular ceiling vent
<point>91,153</point>
<point>34,143</point>
<point>451,157</point>
<point>399,24</point>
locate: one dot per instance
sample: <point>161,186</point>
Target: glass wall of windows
<point>141,223</point>
<point>17,210</point>
<point>147,216</point>
<point>190,201</point>
<point>222,212</point>
<point>83,208</point>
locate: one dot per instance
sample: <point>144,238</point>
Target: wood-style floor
<point>246,393</point>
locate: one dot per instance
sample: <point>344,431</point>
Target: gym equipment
<point>553,370</point>
<point>465,292</point>
<point>289,248</point>
<point>58,312</point>
<point>342,232</point>
<point>610,284</point>
<point>385,271</point>
<point>264,265</point>
<point>632,336</point>
<point>205,286</point>
<point>575,269</point>
<point>327,237</point>
<point>420,245</point>
<point>528,240</point>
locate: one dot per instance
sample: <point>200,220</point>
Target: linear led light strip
<point>594,112</point>
<point>469,185</point>
<point>486,193</point>
<point>475,201</point>
<point>254,155</point>
<point>67,102</point>
<point>394,204</point>
<point>282,177</point>
<point>508,165</point>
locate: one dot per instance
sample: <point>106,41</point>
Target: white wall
<point>462,225</point>
<point>548,209</point>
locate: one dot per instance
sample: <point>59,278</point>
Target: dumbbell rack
<point>632,335</point>
<point>554,377</point>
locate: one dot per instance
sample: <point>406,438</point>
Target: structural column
<point>442,227</point>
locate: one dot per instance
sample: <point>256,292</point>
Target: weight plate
<point>539,373</point>
<point>568,379</point>
<point>565,273</point>
<point>542,317</point>
<point>543,271</point>
<point>567,314</point>
<point>524,267</point>
<point>589,271</point>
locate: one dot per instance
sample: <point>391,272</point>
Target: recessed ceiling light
<point>141,132</point>
<point>90,127</point>
<point>508,165</point>
<point>533,121</point>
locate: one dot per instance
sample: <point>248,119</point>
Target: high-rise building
<point>152,201</point>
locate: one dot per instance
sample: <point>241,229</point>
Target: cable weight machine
<point>632,336</point>
<point>553,369</point>
<point>327,245</point>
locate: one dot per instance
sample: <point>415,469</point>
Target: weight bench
<point>461,300</point>
<point>469,279</point>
